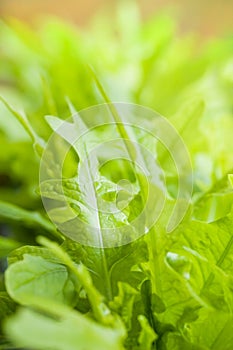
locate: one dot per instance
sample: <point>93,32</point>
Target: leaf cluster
<point>163,291</point>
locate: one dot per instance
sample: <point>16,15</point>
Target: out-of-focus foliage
<point>164,291</point>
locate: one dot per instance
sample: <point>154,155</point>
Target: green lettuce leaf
<point>35,276</point>
<point>58,327</point>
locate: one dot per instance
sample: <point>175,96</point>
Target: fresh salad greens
<point>164,291</point>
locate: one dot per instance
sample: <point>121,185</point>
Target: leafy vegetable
<point>62,328</point>
<point>166,290</point>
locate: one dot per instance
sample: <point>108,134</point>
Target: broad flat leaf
<point>82,276</point>
<point>123,263</point>
<point>36,276</point>
<point>213,330</point>
<point>65,329</point>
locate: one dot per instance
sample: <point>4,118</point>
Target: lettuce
<point>165,290</point>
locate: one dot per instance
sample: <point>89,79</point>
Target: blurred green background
<point>209,17</point>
